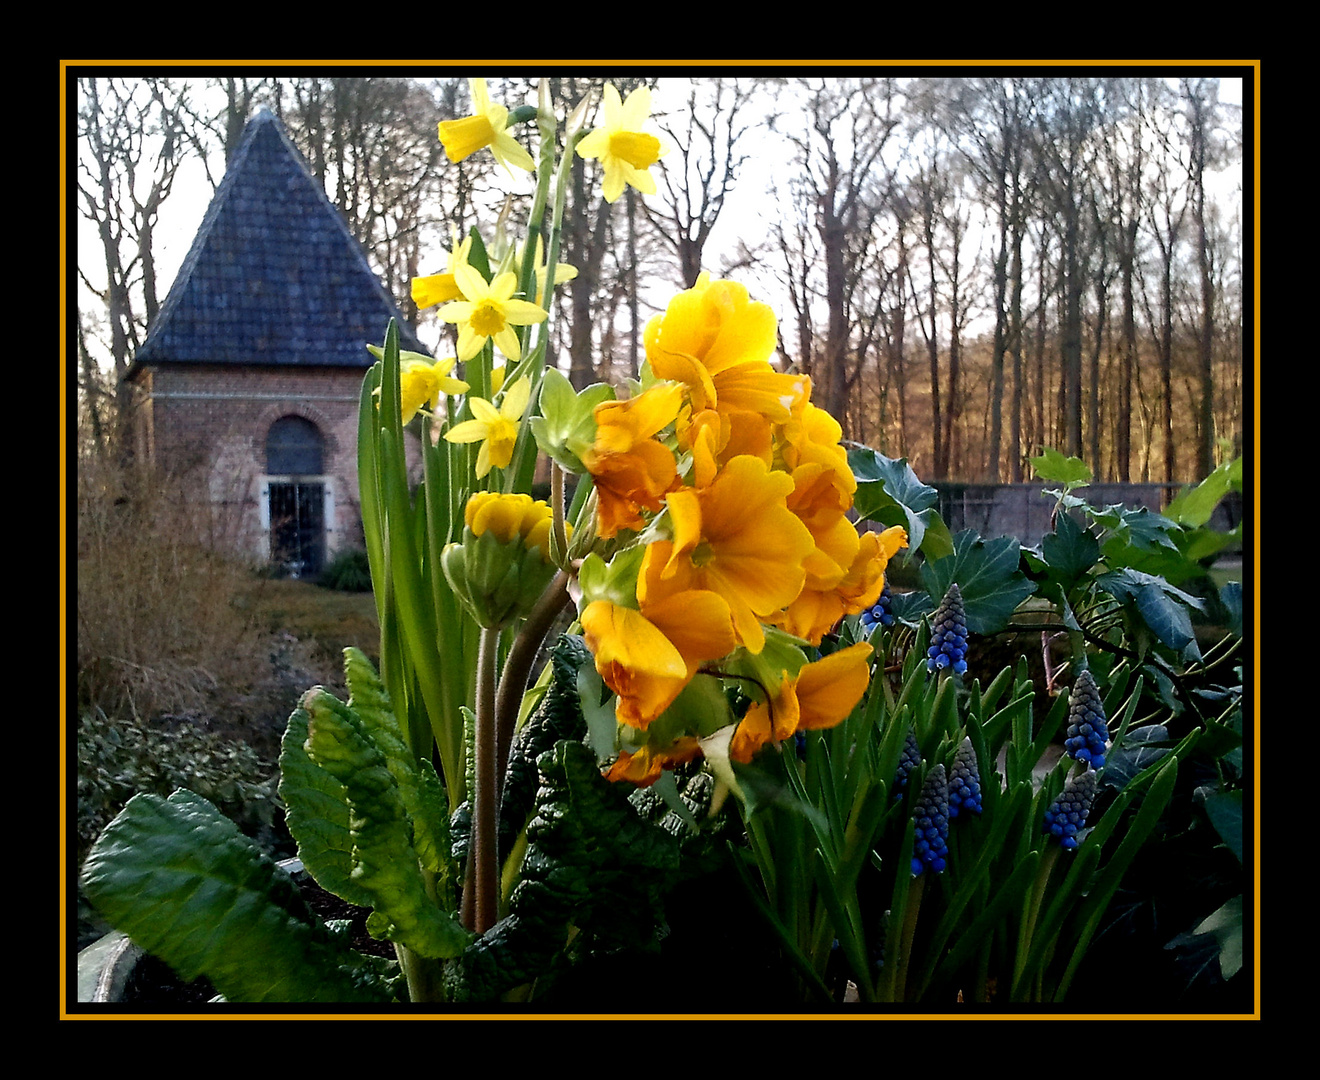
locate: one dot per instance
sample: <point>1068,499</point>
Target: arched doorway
<point>295,495</point>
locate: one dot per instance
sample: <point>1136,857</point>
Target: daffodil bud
<point>503,564</point>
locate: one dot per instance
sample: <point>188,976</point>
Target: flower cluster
<point>726,493</point>
<point>908,760</point>
<point>1088,734</point>
<point>965,783</point>
<point>1067,814</point>
<point>879,614</point>
<point>930,815</point>
<point>948,643</point>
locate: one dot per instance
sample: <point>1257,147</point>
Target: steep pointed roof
<point>273,275</point>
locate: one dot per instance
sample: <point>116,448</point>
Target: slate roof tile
<point>273,276</point>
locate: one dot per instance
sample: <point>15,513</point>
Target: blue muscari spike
<point>1066,816</point>
<point>965,783</point>
<point>879,614</point>
<point>1088,735</point>
<point>908,760</point>
<point>948,641</point>
<point>931,815</point>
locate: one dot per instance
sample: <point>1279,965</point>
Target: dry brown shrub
<point>157,631</point>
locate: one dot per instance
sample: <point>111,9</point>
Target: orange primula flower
<point>820,606</point>
<point>646,657</point>
<point>643,767</point>
<point>737,537</point>
<point>820,695</point>
<point>632,471</point>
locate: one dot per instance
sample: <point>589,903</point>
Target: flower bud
<point>503,564</point>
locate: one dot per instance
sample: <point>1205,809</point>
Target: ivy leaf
<point>988,576</point>
<point>1162,607</point>
<point>1141,748</point>
<point>1224,809</point>
<point>889,492</point>
<point>1195,506</point>
<point>1052,465</point>
<point>1070,551</point>
<point>1141,528</point>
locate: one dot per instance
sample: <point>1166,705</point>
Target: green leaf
<point>1052,465</point>
<point>317,814</point>
<point>889,492</point>
<point>1224,809</point>
<point>184,883</point>
<point>1070,551</point>
<point>384,859</point>
<point>1195,506</point>
<point>592,863</point>
<point>988,576</point>
<point>1141,748</point>
<point>423,794</point>
<point>1161,606</point>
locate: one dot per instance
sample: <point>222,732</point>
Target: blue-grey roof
<point>273,275</point>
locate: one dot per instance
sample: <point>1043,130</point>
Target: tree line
<point>969,268</point>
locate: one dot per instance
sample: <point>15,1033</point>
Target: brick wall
<point>211,422</point>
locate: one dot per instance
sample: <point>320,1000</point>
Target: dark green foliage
<point>558,716</point>
<point>348,571</point>
<point>118,759</point>
<point>187,886</point>
<point>591,862</point>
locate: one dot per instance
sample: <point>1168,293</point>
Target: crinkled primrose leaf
<point>179,878</point>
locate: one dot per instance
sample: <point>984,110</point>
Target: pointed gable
<point>274,277</point>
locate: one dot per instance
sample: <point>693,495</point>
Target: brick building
<point>250,376</point>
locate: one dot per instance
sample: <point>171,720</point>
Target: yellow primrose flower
<point>626,152</point>
<point>738,538</point>
<point>488,127</point>
<point>432,289</point>
<point>488,310</point>
<point>496,429</point>
<point>421,383</point>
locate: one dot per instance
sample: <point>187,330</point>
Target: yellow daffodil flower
<point>488,310</point>
<point>626,152</point>
<point>496,429</point>
<point>487,127</point>
<point>421,383</point>
<point>432,289</point>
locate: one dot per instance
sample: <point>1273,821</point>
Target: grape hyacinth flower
<point>879,615</point>
<point>908,760</point>
<point>948,647</point>
<point>965,783</point>
<point>1088,734</point>
<point>1067,814</point>
<point>931,815</point>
